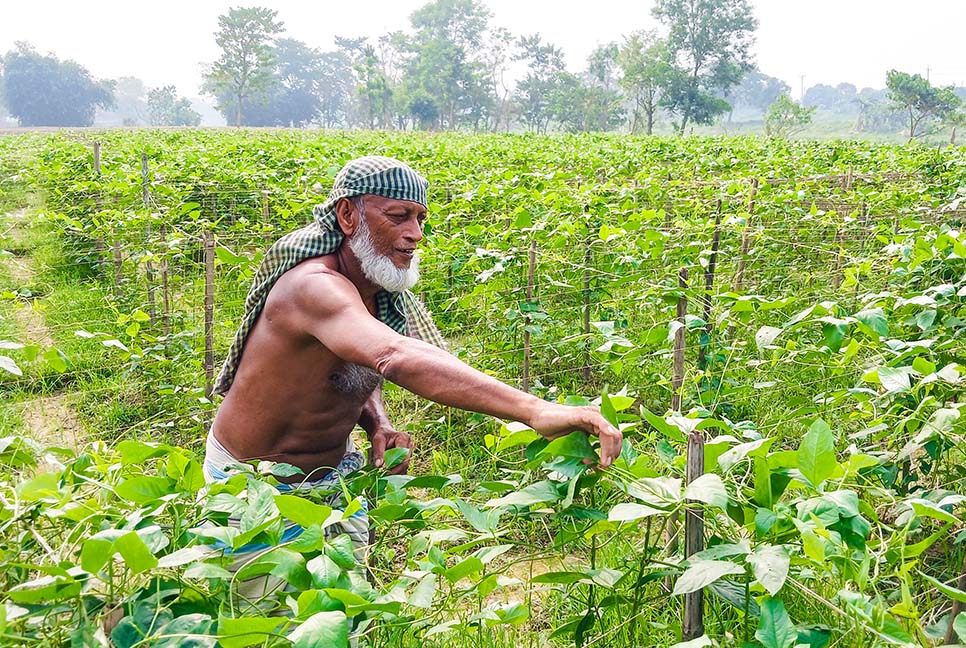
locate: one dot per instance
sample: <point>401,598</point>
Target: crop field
<point>776,327</point>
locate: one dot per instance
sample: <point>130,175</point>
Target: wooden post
<point>118,264</point>
<point>165,293</point>
<point>588,259</point>
<point>692,625</point>
<point>209,245</point>
<point>950,637</point>
<point>746,237</point>
<point>708,288</point>
<point>266,210</point>
<point>677,379</point>
<point>146,196</point>
<point>99,240</point>
<point>531,269</point>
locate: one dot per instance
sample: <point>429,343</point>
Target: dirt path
<point>48,419</point>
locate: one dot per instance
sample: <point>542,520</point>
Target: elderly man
<point>329,316</point>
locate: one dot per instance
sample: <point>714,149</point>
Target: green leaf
<point>708,489</point>
<point>8,365</point>
<point>464,568</point>
<point>339,549</point>
<point>136,554</point>
<point>629,511</point>
<point>775,629</point>
<point>144,489</point>
<point>95,553</point>
<point>702,573</point>
<point>959,625</point>
<point>573,446</point>
<point>954,593</point>
<point>769,564</point>
<point>875,320</point>
<point>539,492</point>
<point>302,511</point>
<point>423,593</point>
<point>766,335</point>
<point>246,631</point>
<point>322,630</point>
<point>816,454</point>
<point>925,508</point>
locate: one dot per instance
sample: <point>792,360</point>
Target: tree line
<point>449,71</point>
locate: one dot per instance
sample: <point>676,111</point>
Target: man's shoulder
<point>317,278</point>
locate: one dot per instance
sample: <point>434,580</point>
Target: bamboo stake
<point>708,288</point>
<point>99,240</point>
<point>209,245</point>
<point>692,625</point>
<point>149,267</point>
<point>165,293</point>
<point>677,379</point>
<point>531,268</point>
<point>950,637</point>
<point>588,259</point>
<point>118,264</point>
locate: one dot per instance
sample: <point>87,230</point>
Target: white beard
<point>378,268</point>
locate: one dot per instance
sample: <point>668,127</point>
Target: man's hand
<point>555,420</point>
<point>384,439</point>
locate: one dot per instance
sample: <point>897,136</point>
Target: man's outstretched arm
<point>382,435</point>
<point>335,315</point>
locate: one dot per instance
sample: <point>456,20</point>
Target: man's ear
<point>347,216</point>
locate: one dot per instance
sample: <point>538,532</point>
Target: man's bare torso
<point>292,400</point>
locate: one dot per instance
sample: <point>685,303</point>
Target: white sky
<point>827,41</point>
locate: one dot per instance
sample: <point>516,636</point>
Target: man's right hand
<point>553,420</point>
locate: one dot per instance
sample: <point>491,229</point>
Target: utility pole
<point>801,89</point>
<point>928,70</point>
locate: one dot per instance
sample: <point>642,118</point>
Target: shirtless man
<point>308,363</point>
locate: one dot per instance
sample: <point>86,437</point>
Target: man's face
<point>385,241</point>
<point>396,227</point>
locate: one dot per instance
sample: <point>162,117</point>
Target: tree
<point>709,41</point>
<point>335,89</point>
<point>757,91</point>
<point>446,72</point>
<point>45,91</point>
<point>165,108</point>
<point>786,117</point>
<point>920,100</point>
<point>245,36</point>
<point>294,97</point>
<point>645,66</point>
<point>130,108</point>
<point>533,92</point>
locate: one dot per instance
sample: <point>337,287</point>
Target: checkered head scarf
<point>403,312</point>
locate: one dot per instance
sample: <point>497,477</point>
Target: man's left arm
<point>382,436</point>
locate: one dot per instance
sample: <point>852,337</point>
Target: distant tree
<point>919,99</point>
<point>373,88</point>
<point>841,99</point>
<point>533,93</point>
<point>45,91</point>
<point>786,117</point>
<point>757,91</point>
<point>336,86</point>
<point>130,105</point>
<point>709,41</point>
<point>166,108</point>
<point>294,97</point>
<point>645,65</point>
<point>600,100</point>
<point>244,70</point>
<point>876,114</point>
<point>445,63</point>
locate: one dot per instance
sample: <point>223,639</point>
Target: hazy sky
<point>827,41</point>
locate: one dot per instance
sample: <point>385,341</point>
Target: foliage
<point>830,403</point>
<point>244,69</point>
<point>165,108</point>
<point>709,41</point>
<point>786,117</point>
<point>42,90</point>
<point>646,67</point>
<point>915,95</point>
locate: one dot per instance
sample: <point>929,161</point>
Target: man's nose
<point>414,230</point>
